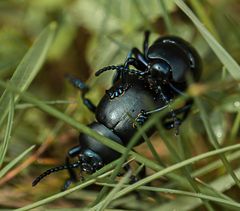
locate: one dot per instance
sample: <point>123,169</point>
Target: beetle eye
<point>161,70</point>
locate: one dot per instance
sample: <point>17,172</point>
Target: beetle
<point>159,75</point>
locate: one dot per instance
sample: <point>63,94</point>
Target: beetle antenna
<point>110,67</point>
<point>120,68</point>
<point>55,169</point>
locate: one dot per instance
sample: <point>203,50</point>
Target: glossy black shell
<point>118,114</point>
<point>107,154</point>
<point>178,53</point>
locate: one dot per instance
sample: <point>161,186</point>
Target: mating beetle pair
<point>159,75</point>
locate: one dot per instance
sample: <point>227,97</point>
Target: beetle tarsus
<point>141,118</point>
<point>67,184</point>
<point>118,92</point>
<point>167,120</point>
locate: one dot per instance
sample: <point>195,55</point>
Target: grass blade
<point>231,203</point>
<point>166,17</point>
<point>28,67</point>
<point>226,59</point>
<point>104,203</point>
<point>175,167</point>
<point>184,203</point>
<point>204,16</point>
<point>4,146</point>
<point>15,161</point>
<point>185,169</point>
<point>213,139</point>
<point>135,185</point>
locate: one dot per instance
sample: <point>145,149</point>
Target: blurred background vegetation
<point>91,34</point>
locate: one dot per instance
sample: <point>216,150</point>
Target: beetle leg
<point>118,91</point>
<point>74,151</point>
<point>184,111</point>
<point>139,175</point>
<point>120,72</point>
<point>84,88</point>
<point>137,59</point>
<point>116,77</point>
<point>145,42</point>
<point>133,178</point>
<point>66,184</point>
<point>142,57</point>
<point>141,118</point>
<point>72,177</point>
<point>143,115</point>
<point>175,121</point>
<point>119,68</point>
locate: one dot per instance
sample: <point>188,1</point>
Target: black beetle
<point>159,76</point>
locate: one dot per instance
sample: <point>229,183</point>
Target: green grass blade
<point>218,194</point>
<point>214,165</point>
<point>203,15</point>
<point>135,185</point>
<point>235,129</point>
<point>175,167</point>
<point>15,161</point>
<point>226,59</point>
<point>214,189</point>
<point>28,67</point>
<point>185,169</point>
<point>109,197</point>
<point>197,195</point>
<point>184,203</point>
<point>153,150</point>
<point>181,193</point>
<point>49,102</point>
<point>213,139</point>
<point>4,145</point>
<point>166,17</point>
<point>56,196</point>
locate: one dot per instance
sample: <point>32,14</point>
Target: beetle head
<point>160,71</point>
<point>90,161</point>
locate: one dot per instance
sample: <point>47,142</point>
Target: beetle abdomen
<point>106,153</point>
<point>120,112</point>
